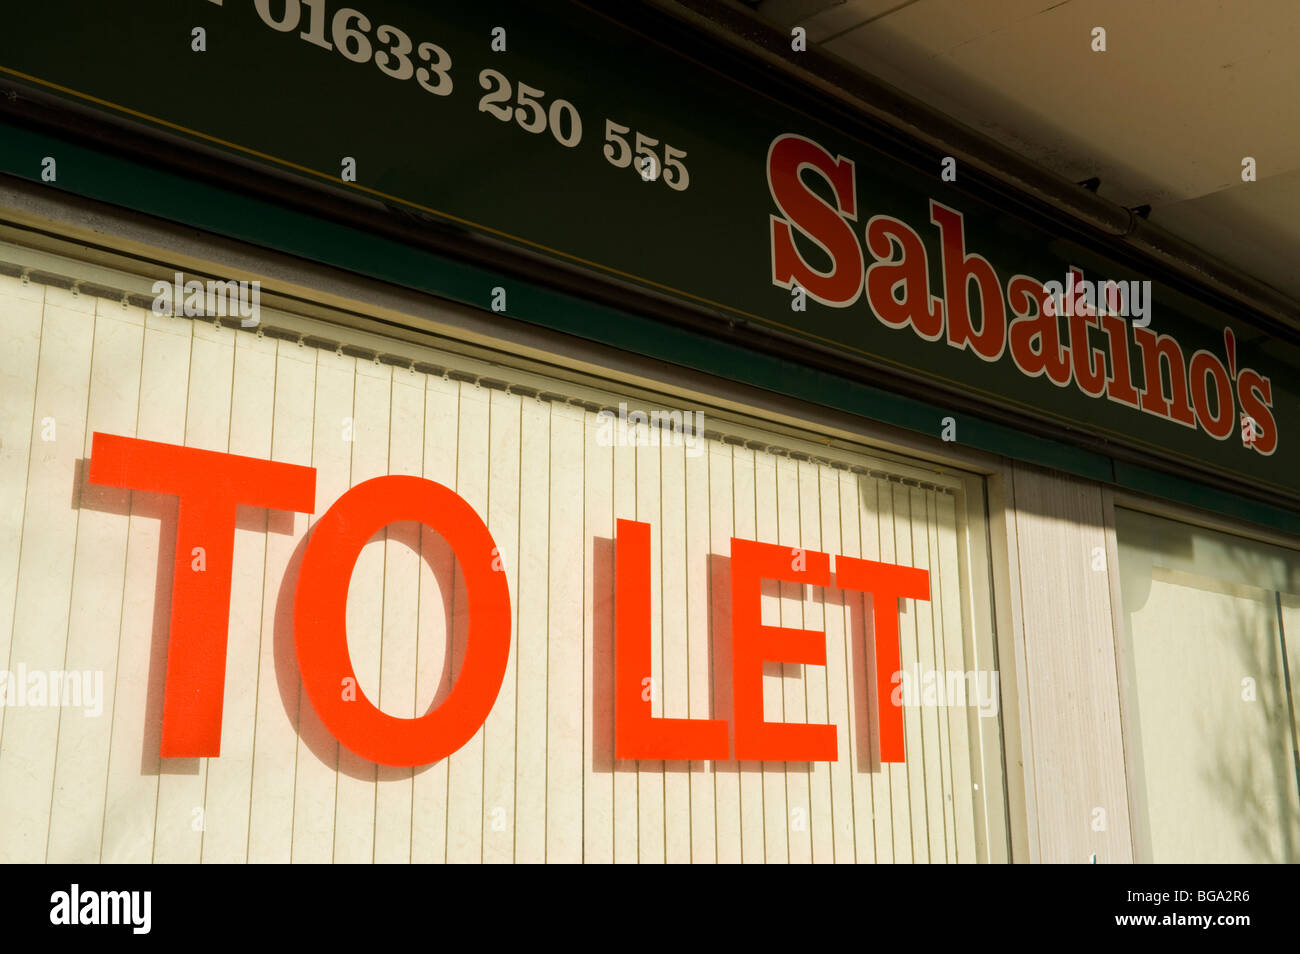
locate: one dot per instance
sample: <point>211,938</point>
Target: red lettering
<point>1255,392</point>
<point>1119,386</point>
<point>887,583</point>
<point>320,633</point>
<point>1036,321</point>
<point>1205,366</point>
<point>752,644</point>
<point>958,271</point>
<point>910,271</point>
<point>788,156</point>
<point>209,486</point>
<point>1154,347</point>
<point>637,735</point>
<point>1089,362</point>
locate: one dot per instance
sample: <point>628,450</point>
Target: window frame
<point>1112,499</point>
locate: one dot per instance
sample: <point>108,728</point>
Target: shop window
<point>1210,650</point>
<point>550,464</point>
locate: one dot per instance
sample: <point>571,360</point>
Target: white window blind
<point>84,585</point>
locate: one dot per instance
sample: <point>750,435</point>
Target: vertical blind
<point>85,586</point>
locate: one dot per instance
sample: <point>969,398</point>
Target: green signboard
<point>555,128</point>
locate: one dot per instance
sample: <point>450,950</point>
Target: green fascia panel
<point>118,181</point>
<point>1178,490</point>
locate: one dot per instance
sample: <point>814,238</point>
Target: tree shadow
<point>1257,786</point>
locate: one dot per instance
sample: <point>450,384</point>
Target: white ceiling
<point>1184,91</point>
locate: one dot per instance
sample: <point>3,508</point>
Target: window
<point>1210,650</point>
<point>550,463</point>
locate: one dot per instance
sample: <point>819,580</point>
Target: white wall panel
<point>355,792</point>
<point>335,426</point>
<point>279,691</point>
<point>753,808</point>
<point>673,609</point>
<point>597,647</point>
<point>394,796</point>
<point>732,820</point>
<point>76,809</point>
<point>530,634</point>
<point>626,778</point>
<point>437,600</point>
<point>766,516</point>
<point>85,584</point>
<point>465,766</point>
<point>228,795</point>
<point>135,768</point>
<point>499,730</point>
<point>181,818</point>
<point>46,570</point>
<point>565,702</point>
<point>652,781</point>
<point>694,571</point>
<point>1072,683</point>
<point>19,365</point>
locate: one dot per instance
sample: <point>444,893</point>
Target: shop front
<point>525,437</point>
